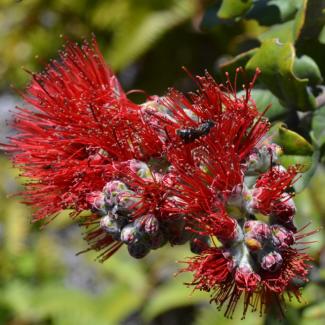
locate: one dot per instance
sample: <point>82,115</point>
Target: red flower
<point>270,196</point>
<point>174,169</point>
<point>210,161</point>
<point>246,279</point>
<point>216,271</point>
<point>211,269</point>
<point>78,120</point>
<point>214,116</point>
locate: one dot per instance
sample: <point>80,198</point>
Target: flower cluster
<point>195,168</point>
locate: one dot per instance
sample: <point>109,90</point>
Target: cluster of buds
<point>117,207</point>
<point>175,169</point>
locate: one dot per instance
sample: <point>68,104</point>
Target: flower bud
<point>253,244</point>
<point>260,160</point>
<point>284,209</point>
<point>252,200</point>
<point>97,202</point>
<point>236,201</point>
<point>282,238</point>
<point>148,224</point>
<point>175,231</point>
<point>130,234</point>
<point>112,224</point>
<point>271,262</point>
<point>112,189</point>
<point>139,249</point>
<point>126,200</point>
<point>157,240</point>
<point>256,229</point>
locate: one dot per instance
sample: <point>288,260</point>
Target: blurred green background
<point>147,42</point>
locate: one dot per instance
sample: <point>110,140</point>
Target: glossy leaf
<point>293,143</point>
<point>231,9</point>
<point>306,68</point>
<point>283,32</point>
<point>318,126</point>
<point>312,19</point>
<point>273,11</point>
<point>321,36</point>
<point>276,59</point>
<point>296,151</point>
<point>238,61</point>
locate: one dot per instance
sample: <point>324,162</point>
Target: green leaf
<point>276,59</point>
<point>299,20</point>
<point>292,143</point>
<point>238,61</point>
<point>311,20</point>
<point>231,9</point>
<point>306,68</point>
<point>306,177</point>
<point>305,23</point>
<point>273,11</point>
<point>283,32</point>
<point>314,314</point>
<point>296,150</point>
<point>321,36</point>
<point>318,126</point>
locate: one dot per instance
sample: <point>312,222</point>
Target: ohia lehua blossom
<point>194,168</point>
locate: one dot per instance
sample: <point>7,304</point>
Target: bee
<point>188,135</point>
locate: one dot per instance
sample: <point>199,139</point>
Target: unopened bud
<point>175,231</point>
<point>260,160</point>
<point>256,229</point>
<point>253,244</point>
<point>282,238</point>
<point>111,224</point>
<point>284,209</point>
<point>139,249</point>
<point>112,190</point>
<point>97,202</point>
<point>157,240</point>
<point>129,234</point>
<point>147,223</point>
<point>272,261</point>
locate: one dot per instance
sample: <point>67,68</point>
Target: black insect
<point>188,135</point>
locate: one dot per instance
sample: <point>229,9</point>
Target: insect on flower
<point>172,170</point>
<point>190,134</point>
